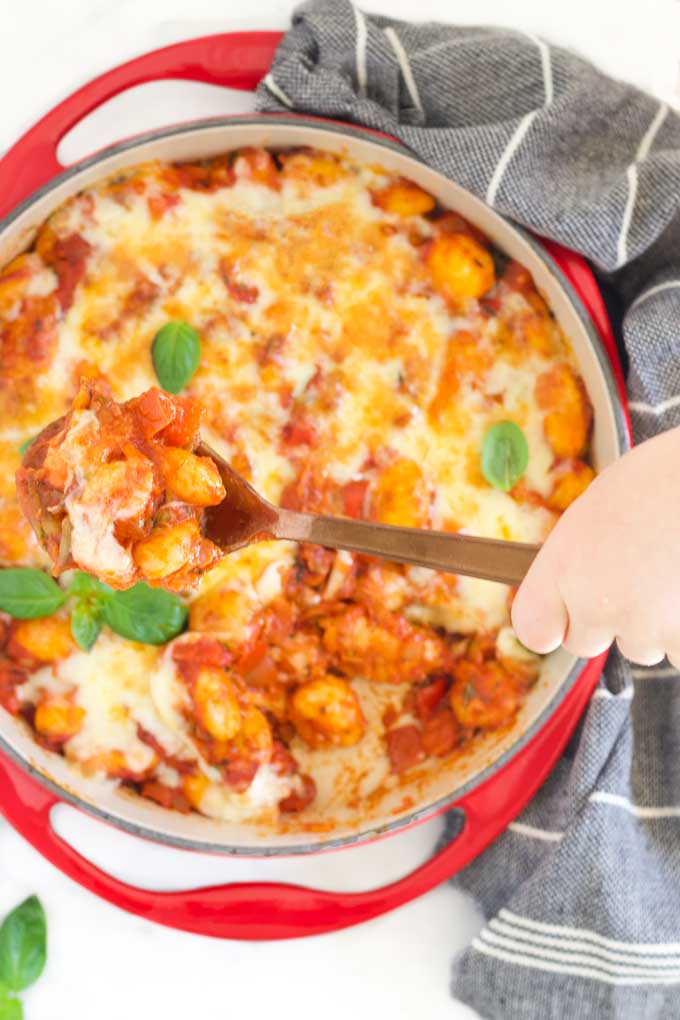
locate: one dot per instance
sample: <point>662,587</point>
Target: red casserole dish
<point>493,785</point>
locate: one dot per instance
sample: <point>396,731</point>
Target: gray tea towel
<point>582,893</point>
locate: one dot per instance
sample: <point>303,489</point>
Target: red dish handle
<point>269,910</point>
<point>237,60</point>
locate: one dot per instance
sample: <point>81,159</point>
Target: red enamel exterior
<point>268,910</point>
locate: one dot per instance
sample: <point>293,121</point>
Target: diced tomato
<point>516,277</point>
<point>453,223</point>
<point>263,674</point>
<point>427,698</point>
<point>299,431</point>
<point>68,259</point>
<point>11,677</point>
<point>32,335</point>
<point>440,732</point>
<point>390,716</point>
<point>257,165</point>
<point>318,561</point>
<point>354,498</point>
<point>282,761</point>
<point>404,747</point>
<point>155,410</point>
<point>159,204</point>
<point>521,493</point>
<point>309,491</point>
<point>299,798</point>
<point>203,651</point>
<point>206,176</point>
<point>185,428</point>
<point>150,740</point>
<point>167,796</point>
<point>240,773</point>
<point>277,621</point>
<point>242,292</point>
<point>482,648</point>
<point>143,293</point>
<point>237,289</point>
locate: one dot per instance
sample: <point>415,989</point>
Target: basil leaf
<point>505,455</point>
<point>27,594</point>
<point>86,623</point>
<point>10,1007</point>
<point>145,614</point>
<point>84,585</point>
<point>25,445</point>
<point>23,945</point>
<point>176,353</point>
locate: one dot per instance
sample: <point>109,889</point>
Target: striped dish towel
<point>582,893</point>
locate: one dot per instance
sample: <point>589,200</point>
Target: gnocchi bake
<point>357,350</point>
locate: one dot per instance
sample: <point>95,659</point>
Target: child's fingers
<point>639,651</point>
<point>585,640</point>
<point>539,615</point>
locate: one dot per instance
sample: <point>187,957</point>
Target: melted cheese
<point>309,298</point>
<point>111,683</point>
<point>265,791</point>
<point>93,517</point>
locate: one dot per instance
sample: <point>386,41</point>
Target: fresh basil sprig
<point>27,594</point>
<point>23,951</point>
<point>145,614</point>
<point>86,624</point>
<point>148,615</point>
<point>11,1008</point>
<point>176,353</point>
<point>86,586</point>
<point>89,596</point>
<point>25,445</point>
<point>505,455</point>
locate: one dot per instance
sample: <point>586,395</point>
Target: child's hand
<point>611,567</point>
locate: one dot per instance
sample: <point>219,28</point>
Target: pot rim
<point>442,803</point>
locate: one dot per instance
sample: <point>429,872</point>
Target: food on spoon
<point>117,490</point>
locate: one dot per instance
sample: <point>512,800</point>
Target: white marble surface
<point>104,964</point>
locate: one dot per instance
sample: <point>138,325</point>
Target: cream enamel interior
<point>441,781</point>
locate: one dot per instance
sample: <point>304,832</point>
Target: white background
<point>103,964</point>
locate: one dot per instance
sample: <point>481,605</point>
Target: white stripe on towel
<point>652,132</point>
<point>646,948</point>
<point>648,959</point>
<point>548,835</point>
<point>622,243</point>
<point>640,968</point>
<point>526,121</point>
<point>638,810</point>
<point>562,968</point>
<point>666,285</point>
<point>361,50</point>
<point>405,66</point>
<point>510,150</point>
<point>632,175</point>
<point>665,405</point>
<point>277,91</point>
<point>546,65</point>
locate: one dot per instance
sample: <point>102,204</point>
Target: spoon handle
<point>452,553</point>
